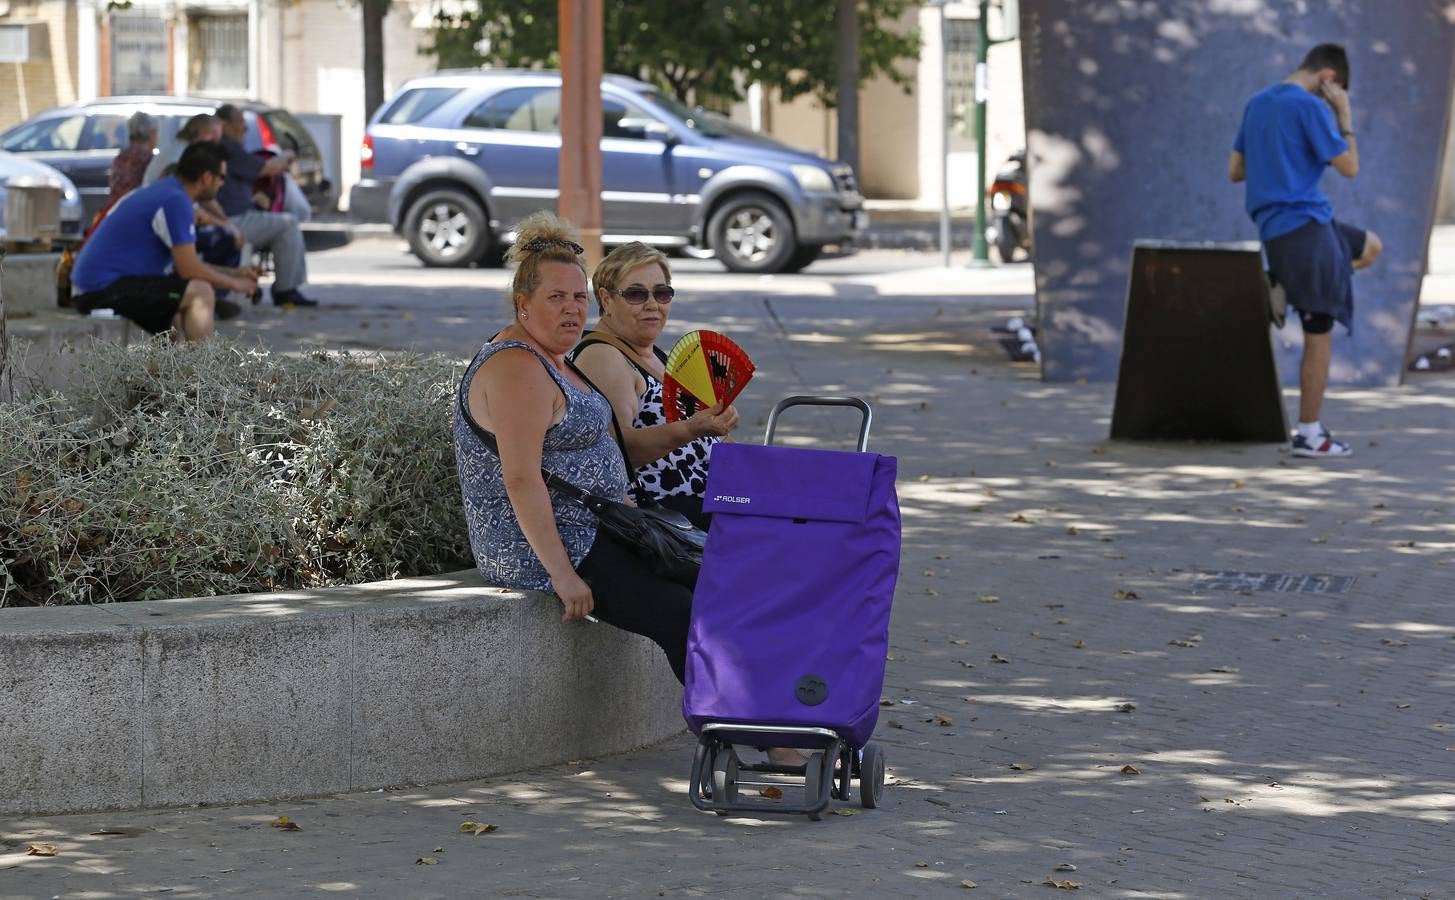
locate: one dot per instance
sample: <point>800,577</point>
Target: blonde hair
<point>611,270</point>
<point>541,238</point>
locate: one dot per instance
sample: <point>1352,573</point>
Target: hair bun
<point>543,231</point>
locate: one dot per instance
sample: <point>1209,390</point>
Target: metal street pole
<point>980,252</point>
<point>579,170</point>
<point>944,143</point>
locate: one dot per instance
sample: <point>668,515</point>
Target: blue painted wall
<point>1131,111</point>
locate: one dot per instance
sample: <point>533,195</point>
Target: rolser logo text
<point>724,498</point>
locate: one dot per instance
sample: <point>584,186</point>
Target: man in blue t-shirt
<point>1290,133</point>
<point>142,259</point>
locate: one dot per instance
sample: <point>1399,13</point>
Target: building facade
<point>303,55</point>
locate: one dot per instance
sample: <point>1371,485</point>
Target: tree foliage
<point>705,53</point>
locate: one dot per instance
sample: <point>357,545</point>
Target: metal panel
<point>1131,111</point>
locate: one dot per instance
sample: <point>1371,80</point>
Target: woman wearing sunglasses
<point>633,288</point>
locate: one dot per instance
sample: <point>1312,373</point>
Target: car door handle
<point>467,149</point>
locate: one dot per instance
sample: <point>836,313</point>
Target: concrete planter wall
<point>1131,111</point>
<point>264,696</point>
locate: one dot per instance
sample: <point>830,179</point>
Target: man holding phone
<point>1290,132</point>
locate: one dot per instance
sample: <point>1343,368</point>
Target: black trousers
<point>630,596</point>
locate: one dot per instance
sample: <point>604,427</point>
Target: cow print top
<point>681,473</point>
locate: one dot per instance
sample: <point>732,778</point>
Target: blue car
<point>454,160</point>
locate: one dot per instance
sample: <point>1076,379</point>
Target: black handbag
<point>664,538</point>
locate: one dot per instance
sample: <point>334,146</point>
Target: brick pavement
<point>1287,744</point>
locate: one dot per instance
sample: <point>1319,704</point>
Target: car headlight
<point>812,178</point>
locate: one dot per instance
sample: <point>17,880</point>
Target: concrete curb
<point>265,696</point>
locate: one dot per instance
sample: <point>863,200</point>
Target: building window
<point>219,51</point>
<point>138,52</point>
<point>960,38</point>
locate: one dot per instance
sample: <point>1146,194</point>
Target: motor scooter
<point>1010,229</point>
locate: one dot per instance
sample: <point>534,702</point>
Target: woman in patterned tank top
<point>543,412</point>
<point>633,287</point>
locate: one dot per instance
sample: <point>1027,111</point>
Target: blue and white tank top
<point>580,448</point>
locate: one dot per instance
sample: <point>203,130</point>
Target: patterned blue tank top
<point>580,448</point>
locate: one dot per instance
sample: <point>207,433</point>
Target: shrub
<point>199,469</point>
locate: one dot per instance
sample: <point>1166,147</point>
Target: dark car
<point>456,159</point>
<point>82,140</point>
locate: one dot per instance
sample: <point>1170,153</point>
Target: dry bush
<point>199,469</point>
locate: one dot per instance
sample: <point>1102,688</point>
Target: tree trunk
<point>374,12</point>
<point>846,28</point>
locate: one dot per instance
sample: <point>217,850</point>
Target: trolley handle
<point>815,400</point>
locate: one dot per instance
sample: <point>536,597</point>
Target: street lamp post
<point>980,249</point>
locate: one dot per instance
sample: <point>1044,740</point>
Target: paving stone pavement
<point>1050,608</point>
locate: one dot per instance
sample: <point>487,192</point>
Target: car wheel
<point>446,228</point>
<point>801,257</point>
<point>752,233</point>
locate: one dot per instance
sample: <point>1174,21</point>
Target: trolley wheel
<point>725,779</point>
<point>701,765</point>
<point>871,776</point>
<point>813,775</point>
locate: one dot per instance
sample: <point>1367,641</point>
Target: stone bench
<point>266,696</point>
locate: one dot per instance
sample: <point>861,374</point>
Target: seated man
<point>142,259</point>
<point>131,163</point>
<point>276,232</point>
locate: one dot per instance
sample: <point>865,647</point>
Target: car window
<point>59,133</point>
<point>288,131</point>
<point>613,111</point>
<point>104,132</point>
<point>413,105</point>
<point>535,109</point>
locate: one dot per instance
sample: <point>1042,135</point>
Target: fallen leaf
<point>285,823</point>
<point>1024,520</point>
<point>1023,767</point>
<point>944,721</point>
<point>772,793</point>
<point>1113,556</point>
<point>959,642</point>
<point>1050,464</point>
<point>103,832</point>
<point>1079,644</point>
<point>997,658</point>
<point>1130,769</point>
<point>886,702</point>
<point>1066,867</point>
<point>846,811</point>
<point>426,861</point>
<point>1126,595</point>
<point>1062,885</point>
<point>989,598</point>
<point>967,883</point>
<point>1235,485</point>
<point>42,850</point>
<point>1394,643</point>
<point>1181,643</point>
<point>942,556</point>
<point>1318,540</point>
<point>1126,707</point>
<point>1063,621</point>
<point>932,592</point>
<point>1224,670</point>
<point>1072,530</point>
<point>478,828</point>
<point>921,865</point>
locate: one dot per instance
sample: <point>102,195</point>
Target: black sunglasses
<point>637,295</point>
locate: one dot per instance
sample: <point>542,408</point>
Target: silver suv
<point>456,159</point>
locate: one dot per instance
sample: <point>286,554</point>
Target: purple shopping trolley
<point>790,619</point>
